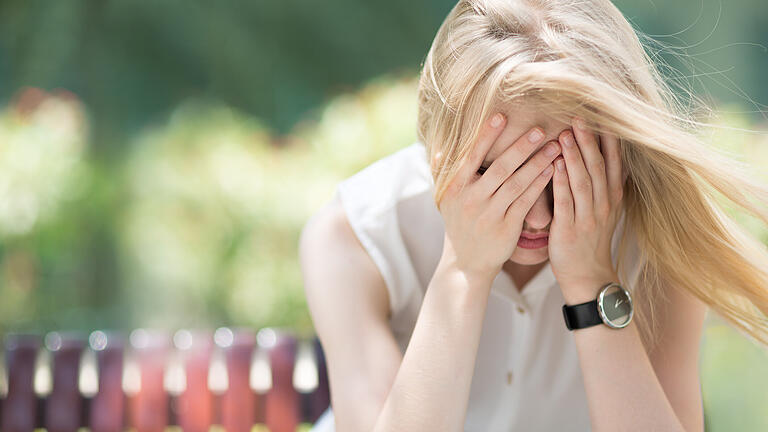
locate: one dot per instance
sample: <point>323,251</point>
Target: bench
<point>236,378</point>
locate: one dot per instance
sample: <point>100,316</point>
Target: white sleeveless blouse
<point>527,374</point>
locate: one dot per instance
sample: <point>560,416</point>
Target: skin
<point>486,215</point>
<point>524,264</point>
<point>587,191</point>
<point>665,386</point>
<point>581,216</point>
<point>374,387</point>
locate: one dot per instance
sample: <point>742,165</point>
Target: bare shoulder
<point>681,313</point>
<point>679,320</point>
<point>349,306</point>
<point>336,264</point>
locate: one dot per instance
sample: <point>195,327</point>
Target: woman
<point>444,280</point>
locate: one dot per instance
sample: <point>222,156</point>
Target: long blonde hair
<point>583,58</point>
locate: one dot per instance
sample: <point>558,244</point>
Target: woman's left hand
<point>587,204</point>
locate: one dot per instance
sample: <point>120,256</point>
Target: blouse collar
<point>504,286</point>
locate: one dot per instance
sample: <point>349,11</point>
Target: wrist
<point>612,307</point>
<point>474,279</point>
<point>576,292</point>
<point>461,284</point>
<point>478,277</point>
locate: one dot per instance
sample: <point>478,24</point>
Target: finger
<point>578,177</point>
<point>508,162</point>
<point>595,164</point>
<point>518,182</point>
<point>488,133</point>
<point>613,166</point>
<point>561,194</point>
<point>522,205</point>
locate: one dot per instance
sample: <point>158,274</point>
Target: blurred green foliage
<point>734,376</point>
<point>167,185</point>
<point>134,61</point>
<point>206,211</point>
<point>214,205</point>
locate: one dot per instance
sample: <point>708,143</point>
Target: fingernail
<point>496,120</point>
<point>535,136</point>
<point>568,140</point>
<point>560,165</point>
<point>579,123</point>
<point>551,149</point>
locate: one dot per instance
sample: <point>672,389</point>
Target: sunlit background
<point>158,159</point>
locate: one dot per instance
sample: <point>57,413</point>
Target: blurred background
<point>158,159</point>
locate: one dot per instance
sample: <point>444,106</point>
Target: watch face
<point>615,306</point>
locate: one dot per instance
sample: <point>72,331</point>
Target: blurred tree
<point>133,61</point>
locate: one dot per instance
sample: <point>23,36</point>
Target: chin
<point>530,256</point>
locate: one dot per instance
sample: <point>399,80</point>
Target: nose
<point>540,215</point>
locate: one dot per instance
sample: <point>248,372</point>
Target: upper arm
<point>676,357</point>
<point>349,305</point>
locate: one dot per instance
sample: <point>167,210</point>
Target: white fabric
<point>390,207</point>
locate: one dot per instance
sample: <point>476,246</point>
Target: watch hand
<point>618,302</point>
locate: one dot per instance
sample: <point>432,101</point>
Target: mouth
<point>533,241</point>
<point>531,236</point>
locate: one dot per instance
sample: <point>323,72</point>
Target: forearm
<point>431,389</point>
<point>622,389</point>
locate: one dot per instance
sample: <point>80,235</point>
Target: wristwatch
<point>612,307</point>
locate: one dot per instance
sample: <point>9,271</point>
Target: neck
<point>521,274</point>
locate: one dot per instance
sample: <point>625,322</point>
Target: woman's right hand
<point>484,218</point>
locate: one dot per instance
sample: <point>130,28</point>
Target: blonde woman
<point>543,258</point>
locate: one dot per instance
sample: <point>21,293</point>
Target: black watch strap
<point>581,315</point>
